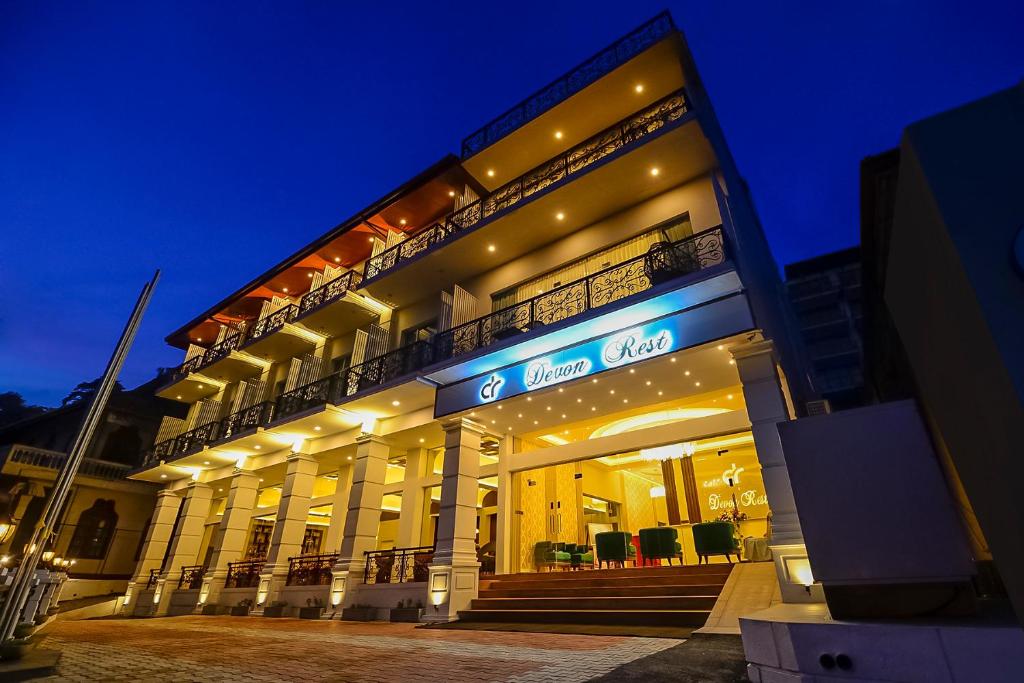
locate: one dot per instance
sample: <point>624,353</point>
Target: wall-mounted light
<point>337,590</point>
<point>798,571</point>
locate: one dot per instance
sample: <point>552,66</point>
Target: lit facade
<point>574,326</point>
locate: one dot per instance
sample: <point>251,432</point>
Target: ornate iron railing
<point>54,460</point>
<point>329,292</point>
<point>256,415</point>
<point>619,136</point>
<point>664,262</point>
<point>223,348</point>
<point>272,323</point>
<point>190,365</point>
<point>195,439</point>
<point>244,574</point>
<point>398,565</point>
<point>601,64</point>
<point>607,286</point>
<point>191,577</point>
<point>154,576</point>
<point>310,570</point>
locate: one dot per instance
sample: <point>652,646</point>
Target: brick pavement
<point>206,649</point>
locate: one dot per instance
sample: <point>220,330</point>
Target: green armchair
<point>580,554</point>
<point>550,555</point>
<point>715,538</point>
<point>615,546</point>
<point>660,543</point>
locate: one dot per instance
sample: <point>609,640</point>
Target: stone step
<point>625,603</point>
<point>562,591</point>
<point>678,618</point>
<point>583,581</point>
<point>569,575</point>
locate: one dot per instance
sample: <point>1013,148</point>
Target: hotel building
<point>574,326</point>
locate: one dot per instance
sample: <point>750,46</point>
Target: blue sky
<point>213,139</point>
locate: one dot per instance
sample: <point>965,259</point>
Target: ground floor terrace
<point>235,649</point>
<point>665,457</point>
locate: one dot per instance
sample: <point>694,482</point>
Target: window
<point>94,531</point>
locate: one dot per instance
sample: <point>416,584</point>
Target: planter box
<point>274,611</point>
<point>239,611</point>
<point>407,614</point>
<point>359,613</point>
<point>311,612</point>
<point>209,610</point>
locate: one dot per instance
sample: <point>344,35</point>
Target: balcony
<point>335,308</point>
<point>592,180</point>
<point>29,456</point>
<point>310,570</point>
<point>664,263</point>
<point>275,338</point>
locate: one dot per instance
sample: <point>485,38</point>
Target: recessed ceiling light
<point>257,446</point>
<point>284,289</point>
<point>566,431</point>
<point>396,403</point>
<point>422,440</point>
<point>220,490</point>
<point>529,398</point>
<point>494,421</point>
<point>560,216</point>
<point>490,247</point>
<point>371,240</point>
<point>519,415</point>
<point>612,391</point>
<point>401,221</point>
<point>510,428</point>
<point>199,386</point>
<point>337,259</point>
<point>720,347</point>
<point>549,408</point>
<point>178,397</point>
<point>593,408</point>
<point>639,88</point>
<point>632,371</point>
<point>648,382</point>
<point>729,396</point>
<point>696,384</point>
<point>261,480</point>
<point>349,457</point>
<point>655,171</point>
<point>558,135</point>
<point>451,193</point>
<point>687,373</point>
<point>206,462</point>
<point>199,339</point>
<point>535,422</point>
<point>660,393</point>
<point>499,407</point>
<point>316,428</point>
<point>732,361</point>
<point>563,416</point>
<point>594,380</point>
<point>579,400</point>
<point>490,173</point>
<point>163,476</point>
<point>561,390</point>
<point>625,400</point>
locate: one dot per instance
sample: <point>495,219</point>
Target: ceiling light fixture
<point>655,171</point>
<point>560,216</point>
<point>490,247</point>
<point>490,173</point>
<point>396,403</point>
<point>558,135</point>
<point>337,259</point>
<point>639,88</point>
<point>451,193</point>
<point>316,428</point>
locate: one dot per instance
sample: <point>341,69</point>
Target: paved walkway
<point>260,649</point>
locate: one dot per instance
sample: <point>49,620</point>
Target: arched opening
<point>94,531</point>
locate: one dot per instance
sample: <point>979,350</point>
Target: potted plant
<point>242,608</point>
<point>275,609</point>
<point>209,610</point>
<point>407,612</point>
<point>359,613</point>
<point>314,609</point>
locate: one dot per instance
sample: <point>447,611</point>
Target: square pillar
<point>363,519</point>
<point>154,547</point>
<point>289,526</point>
<point>232,531</point>
<point>410,519</point>
<point>454,576</point>
<point>766,407</point>
<point>186,542</point>
<point>506,509</point>
<point>339,510</point>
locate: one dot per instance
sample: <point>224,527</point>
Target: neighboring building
<point>575,326</point>
<point>105,518</point>
<point>825,292</point>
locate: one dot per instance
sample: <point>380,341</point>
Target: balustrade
<point>398,565</point>
<point>310,570</point>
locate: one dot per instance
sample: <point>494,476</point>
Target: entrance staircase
<point>651,596</point>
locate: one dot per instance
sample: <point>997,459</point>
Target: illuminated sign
<point>621,348</point>
<point>606,351</point>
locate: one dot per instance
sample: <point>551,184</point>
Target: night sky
<point>211,140</point>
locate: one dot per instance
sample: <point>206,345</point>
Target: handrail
<point>571,82</point>
<point>311,570</point>
<point>272,323</point>
<point>398,565</point>
<point>256,415</point>
<point>609,141</point>
<point>328,292</point>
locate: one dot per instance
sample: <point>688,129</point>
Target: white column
<point>766,407</point>
<point>289,526</point>
<point>339,510</point>
<point>455,572</point>
<point>233,528</point>
<point>506,508</point>
<point>185,545</point>
<point>410,520</point>
<point>158,535</point>
<point>363,519</point>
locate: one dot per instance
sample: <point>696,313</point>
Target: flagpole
<point>18,594</point>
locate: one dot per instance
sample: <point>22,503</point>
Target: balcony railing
<point>223,348</point>
<point>272,323</point>
<point>598,66</point>
<point>154,576</point>
<point>662,263</point>
<point>257,415</point>
<point>398,565</point>
<point>623,134</point>
<point>191,577</point>
<point>310,570</point>
<point>54,460</point>
<point>194,439</point>
<point>327,293</point>
<point>245,574</point>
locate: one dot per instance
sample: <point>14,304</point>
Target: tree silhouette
<point>85,391</point>
<point>13,408</point>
